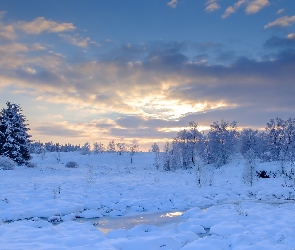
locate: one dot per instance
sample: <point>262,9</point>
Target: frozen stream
<point>159,219</point>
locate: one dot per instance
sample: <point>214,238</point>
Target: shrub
<point>6,163</point>
<point>31,165</point>
<point>71,164</point>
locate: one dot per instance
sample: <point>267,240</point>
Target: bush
<point>71,164</point>
<point>6,163</point>
<point>31,165</point>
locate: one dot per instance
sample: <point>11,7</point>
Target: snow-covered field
<point>42,207</point>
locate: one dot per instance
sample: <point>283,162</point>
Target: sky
<point>124,70</point>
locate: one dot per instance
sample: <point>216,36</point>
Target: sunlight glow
<point>162,107</point>
<point>177,129</point>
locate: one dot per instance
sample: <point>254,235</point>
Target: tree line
<point>223,141</point>
<point>217,147</point>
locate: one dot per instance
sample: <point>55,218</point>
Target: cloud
<point>13,48</point>
<point>280,11</point>
<point>58,129</point>
<point>173,3</point>
<point>40,25</point>
<point>276,41</point>
<point>37,46</point>
<point>256,5</point>
<point>212,5</point>
<point>141,133</point>
<point>77,40</point>
<point>232,9</point>
<point>7,32</point>
<point>282,22</point>
<point>252,7</point>
<point>153,85</point>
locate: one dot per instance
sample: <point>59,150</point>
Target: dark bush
<point>71,164</point>
<point>262,174</point>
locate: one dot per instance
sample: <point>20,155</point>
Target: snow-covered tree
<point>14,137</point>
<point>121,147</point>
<point>85,149</point>
<point>220,143</point>
<point>167,157</point>
<point>249,140</point>
<point>98,148</point>
<point>188,144</point>
<point>249,170</point>
<point>156,150</point>
<point>111,146</point>
<point>275,130</point>
<point>132,148</point>
<point>290,142</point>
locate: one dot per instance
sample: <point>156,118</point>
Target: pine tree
<point>14,139</point>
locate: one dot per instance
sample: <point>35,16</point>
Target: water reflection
<point>158,219</point>
<point>171,215</point>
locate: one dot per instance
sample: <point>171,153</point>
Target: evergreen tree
<point>14,139</point>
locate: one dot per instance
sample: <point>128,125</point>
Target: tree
<point>112,146</point>
<point>249,171</point>
<point>121,147</point>
<point>86,149</point>
<point>221,141</point>
<point>98,148</point>
<point>275,137</point>
<point>156,150</point>
<point>248,140</point>
<point>14,139</point>
<point>187,144</point>
<point>132,148</point>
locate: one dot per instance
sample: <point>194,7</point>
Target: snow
<point>54,207</point>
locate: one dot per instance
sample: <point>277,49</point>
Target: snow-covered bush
<point>71,164</point>
<point>6,163</point>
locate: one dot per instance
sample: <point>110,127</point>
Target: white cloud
<point>13,48</point>
<point>252,7</point>
<point>256,5</point>
<point>173,3</point>
<point>291,36</point>
<point>7,32</point>
<point>29,70</point>
<point>37,46</point>
<point>212,5</point>
<point>40,25</point>
<point>78,40</point>
<point>282,22</point>
<point>232,9</point>
<point>280,11</point>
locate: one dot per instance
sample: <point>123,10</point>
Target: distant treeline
<point>97,147</point>
<point>275,143</point>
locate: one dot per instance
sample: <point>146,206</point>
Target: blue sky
<point>102,70</point>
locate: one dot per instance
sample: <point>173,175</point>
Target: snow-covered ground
<point>42,207</point>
